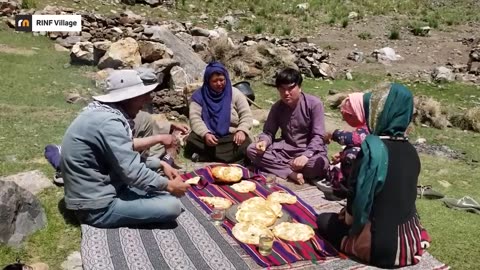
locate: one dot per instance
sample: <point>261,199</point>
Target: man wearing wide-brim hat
<point>106,184</point>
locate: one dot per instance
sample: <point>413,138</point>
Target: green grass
<point>34,114</point>
<point>285,13</point>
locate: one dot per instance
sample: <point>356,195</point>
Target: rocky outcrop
<point>20,213</point>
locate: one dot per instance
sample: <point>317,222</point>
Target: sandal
<point>465,204</point>
<point>324,186</point>
<point>428,192</point>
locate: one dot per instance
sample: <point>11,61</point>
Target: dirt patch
<point>12,50</point>
<point>438,151</point>
<point>420,54</point>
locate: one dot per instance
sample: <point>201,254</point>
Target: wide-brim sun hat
<point>123,85</point>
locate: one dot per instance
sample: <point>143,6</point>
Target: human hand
<point>168,140</point>
<point>169,171</point>
<point>327,139</point>
<point>299,162</point>
<point>184,129</point>
<point>239,137</point>
<point>336,158</point>
<point>177,187</point>
<point>211,140</point>
<point>261,146</point>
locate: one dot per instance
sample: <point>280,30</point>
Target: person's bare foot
<point>297,178</point>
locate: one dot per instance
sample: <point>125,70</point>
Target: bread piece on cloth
<point>282,197</point>
<point>193,180</point>
<point>227,174</point>
<point>249,233</point>
<point>244,186</point>
<point>217,202</point>
<point>293,231</point>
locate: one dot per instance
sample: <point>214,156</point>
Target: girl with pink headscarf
<point>354,114</point>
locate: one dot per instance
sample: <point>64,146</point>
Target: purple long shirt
<point>302,128</point>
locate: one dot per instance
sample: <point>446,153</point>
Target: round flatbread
<point>217,202</point>
<point>227,174</point>
<point>249,233</point>
<point>276,208</point>
<point>293,231</point>
<point>193,180</point>
<point>282,197</point>
<point>257,210</point>
<point>244,186</point>
<point>261,214</point>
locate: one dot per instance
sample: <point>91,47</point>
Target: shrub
<point>365,35</point>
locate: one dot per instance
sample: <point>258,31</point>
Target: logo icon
<point>23,23</point>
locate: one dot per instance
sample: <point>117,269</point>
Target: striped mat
<point>284,252</point>
<point>196,243</point>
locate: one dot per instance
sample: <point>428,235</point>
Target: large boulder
<point>123,53</point>
<point>152,51</point>
<point>189,60</point>
<point>20,213</point>
<point>82,53</point>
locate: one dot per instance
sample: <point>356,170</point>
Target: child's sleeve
<point>358,136</point>
<point>349,138</point>
<point>342,137</point>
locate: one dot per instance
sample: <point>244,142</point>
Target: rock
<point>8,7</point>
<point>189,61</point>
<point>335,100</point>
<point>421,140</point>
<point>356,56</point>
<point>74,98</point>
<point>323,70</point>
<point>164,65</point>
<point>152,51</point>
<point>123,53</point>
<point>200,44</point>
<point>197,31</point>
<point>185,37</point>
<point>443,74</point>
<point>73,262</point>
<point>99,50</point>
<point>190,88</point>
<point>60,48</point>
<point>386,55</point>
<point>353,15</point>
<point>69,41</point>
<point>348,76</point>
<point>20,212</point>
<point>228,19</point>
<point>153,3</point>
<point>82,53</point>
<point>303,6</point>
<point>178,79</point>
<point>32,181</point>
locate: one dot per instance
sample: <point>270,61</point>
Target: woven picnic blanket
<point>284,252</point>
<point>196,243</point>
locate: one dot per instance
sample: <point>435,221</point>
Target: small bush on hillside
<point>332,21</point>
<point>345,23</point>
<point>28,4</point>
<point>365,35</point>
<point>258,29</point>
<point>394,34</point>
<point>287,31</point>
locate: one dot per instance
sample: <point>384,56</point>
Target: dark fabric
<point>226,151</point>
<point>332,228</point>
<point>216,107</point>
<point>390,111</point>
<point>394,204</point>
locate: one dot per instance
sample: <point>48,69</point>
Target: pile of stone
<point>310,60</point>
<point>152,3</point>
<point>178,52</point>
<point>8,7</point>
